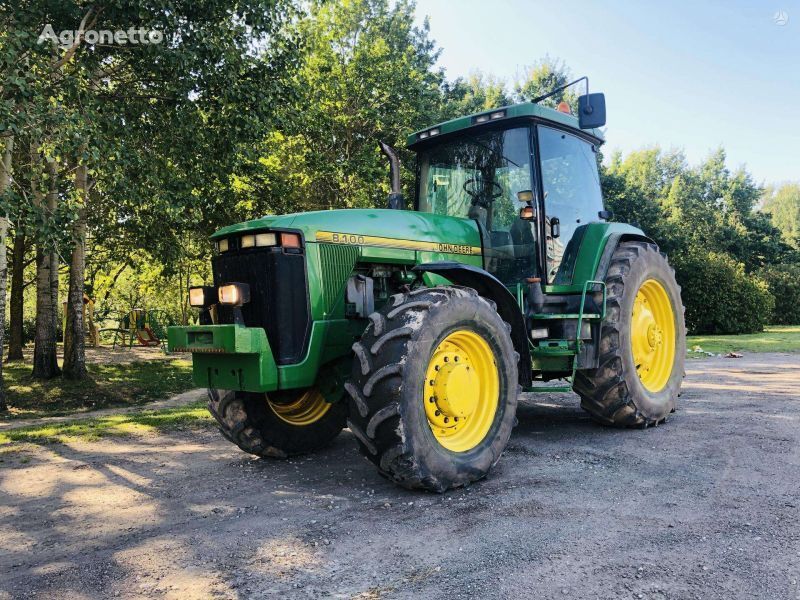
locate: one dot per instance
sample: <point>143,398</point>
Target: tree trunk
<point>5,178</point>
<point>74,338</point>
<point>52,201</point>
<point>16,340</point>
<point>45,360</point>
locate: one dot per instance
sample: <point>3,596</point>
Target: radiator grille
<point>336,265</point>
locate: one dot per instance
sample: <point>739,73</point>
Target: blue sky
<point>692,75</point>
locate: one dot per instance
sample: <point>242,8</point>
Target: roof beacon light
<point>563,107</point>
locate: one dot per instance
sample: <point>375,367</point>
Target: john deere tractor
<point>418,326</point>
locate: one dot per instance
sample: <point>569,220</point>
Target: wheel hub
<point>461,391</point>
<point>455,387</point>
<point>653,335</point>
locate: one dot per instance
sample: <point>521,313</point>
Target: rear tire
<point>434,388</point>
<point>616,393</point>
<point>250,421</point>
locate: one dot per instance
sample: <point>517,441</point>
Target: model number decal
<point>353,239</point>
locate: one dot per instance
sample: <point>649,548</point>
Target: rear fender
<point>488,286</point>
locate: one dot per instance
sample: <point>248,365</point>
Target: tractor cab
<point>526,174</point>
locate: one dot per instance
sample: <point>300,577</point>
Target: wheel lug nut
<point>456,359</point>
<point>437,413</point>
<point>431,382</point>
<point>431,399</point>
<point>446,359</point>
<point>446,420</point>
<point>436,368</point>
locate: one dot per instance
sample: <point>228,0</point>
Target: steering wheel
<point>476,194</point>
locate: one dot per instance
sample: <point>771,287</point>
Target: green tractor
<point>418,327</point>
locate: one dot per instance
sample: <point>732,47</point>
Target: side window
<point>572,196</point>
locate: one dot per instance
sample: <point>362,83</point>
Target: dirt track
<point>707,506</point>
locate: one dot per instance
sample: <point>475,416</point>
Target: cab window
<point>478,177</point>
<point>572,197</point>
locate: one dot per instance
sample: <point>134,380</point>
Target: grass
<point>784,338</point>
<point>139,423</point>
<point>109,385</point>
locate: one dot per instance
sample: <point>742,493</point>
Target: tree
<point>783,205</point>
<point>5,179</point>
<point>474,94</point>
<point>543,77</point>
<point>366,74</point>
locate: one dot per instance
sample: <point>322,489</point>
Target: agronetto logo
<point>121,37</point>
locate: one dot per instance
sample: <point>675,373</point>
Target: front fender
<point>488,286</point>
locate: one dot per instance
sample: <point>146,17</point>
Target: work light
<point>266,239</point>
<point>202,296</point>
<point>234,294</point>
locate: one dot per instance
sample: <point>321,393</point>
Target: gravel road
<point>706,506</point>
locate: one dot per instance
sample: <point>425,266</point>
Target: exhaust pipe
<point>395,199</point>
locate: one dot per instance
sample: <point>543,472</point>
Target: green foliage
<point>366,74</point>
<point>476,93</point>
<point>543,77</point>
<point>784,285</point>
<point>109,385</point>
<point>783,205</point>
<point>720,297</point>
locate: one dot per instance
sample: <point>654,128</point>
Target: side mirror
<point>591,111</point>
<point>555,227</point>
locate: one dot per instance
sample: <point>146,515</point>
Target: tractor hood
<point>374,227</point>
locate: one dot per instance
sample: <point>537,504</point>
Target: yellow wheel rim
<point>653,335</point>
<point>462,389</point>
<point>308,408</point>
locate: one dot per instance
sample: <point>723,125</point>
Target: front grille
<point>278,297</point>
<point>336,265</point>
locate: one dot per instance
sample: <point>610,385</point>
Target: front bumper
<point>231,357</point>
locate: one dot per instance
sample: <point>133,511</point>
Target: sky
<point>691,75</point>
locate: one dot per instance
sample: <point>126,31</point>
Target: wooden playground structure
<point>136,327</point>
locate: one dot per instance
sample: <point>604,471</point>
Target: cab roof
<point>525,109</point>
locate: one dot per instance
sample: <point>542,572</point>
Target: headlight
<point>200,297</point>
<point>234,294</point>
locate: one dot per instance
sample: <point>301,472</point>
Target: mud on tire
<point>247,420</point>
<point>613,394</point>
<point>387,414</point>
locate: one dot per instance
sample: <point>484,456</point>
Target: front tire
<point>434,388</point>
<point>643,342</point>
<point>277,425</point>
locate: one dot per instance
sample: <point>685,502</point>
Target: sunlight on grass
<point>784,338</point>
<point>141,423</point>
<point>109,385</point>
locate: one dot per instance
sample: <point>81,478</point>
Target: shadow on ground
<point>704,506</point>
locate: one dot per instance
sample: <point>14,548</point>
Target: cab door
<point>570,188</point>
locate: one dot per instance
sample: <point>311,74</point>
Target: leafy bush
<point>719,296</point>
<point>28,330</point>
<point>784,285</point>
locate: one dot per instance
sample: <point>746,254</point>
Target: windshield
<point>476,174</point>
<point>478,177</point>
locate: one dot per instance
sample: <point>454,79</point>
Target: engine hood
<point>395,226</point>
